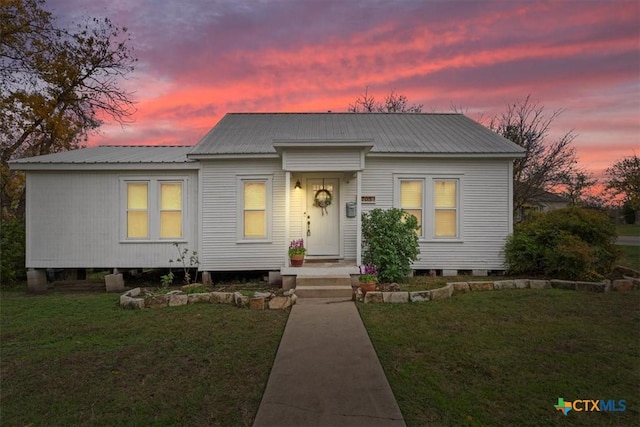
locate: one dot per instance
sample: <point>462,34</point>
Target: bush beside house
<point>569,243</point>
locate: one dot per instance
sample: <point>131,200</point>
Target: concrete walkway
<point>326,372</point>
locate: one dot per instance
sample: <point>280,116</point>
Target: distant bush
<point>628,213</point>
<point>570,243</point>
<point>390,242</point>
<point>12,251</point>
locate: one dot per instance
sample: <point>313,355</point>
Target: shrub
<point>12,251</point>
<point>570,243</point>
<point>390,242</point>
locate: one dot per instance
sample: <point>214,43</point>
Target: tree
<point>624,180</point>
<point>545,163</point>
<point>57,86</point>
<point>576,185</point>
<point>393,103</point>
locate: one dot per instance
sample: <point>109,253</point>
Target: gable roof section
<point>125,157</point>
<point>401,133</point>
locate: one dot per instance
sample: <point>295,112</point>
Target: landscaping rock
<point>539,284</point>
<point>221,298</point>
<point>289,292</point>
<point>481,286</point>
<point>240,300</point>
<point>442,293</point>
<point>504,284</point>
<point>265,295</point>
<point>395,297</point>
<point>359,295</point>
<point>128,302</point>
<point>199,297</point>
<point>419,296</point>
<point>281,303</point>
<point>133,292</point>
<point>598,287</point>
<point>156,301</point>
<point>521,283</point>
<point>256,303</point>
<point>373,297</point>
<point>563,284</point>
<point>176,299</point>
<point>622,285</point>
<point>460,286</point>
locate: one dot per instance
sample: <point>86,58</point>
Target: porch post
<point>287,214</point>
<point>359,218</point>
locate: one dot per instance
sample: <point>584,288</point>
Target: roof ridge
<point>284,113</point>
<point>140,146</point>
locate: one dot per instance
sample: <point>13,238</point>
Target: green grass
<point>82,360</point>
<point>630,256</point>
<point>628,229</point>
<point>503,358</point>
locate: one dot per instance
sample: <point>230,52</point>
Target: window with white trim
<point>154,209</point>
<point>254,208</point>
<point>445,202</point>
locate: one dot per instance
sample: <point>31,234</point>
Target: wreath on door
<point>322,199</point>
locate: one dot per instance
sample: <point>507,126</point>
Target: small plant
<point>188,262</point>
<point>368,274</point>
<point>296,247</point>
<point>167,279</point>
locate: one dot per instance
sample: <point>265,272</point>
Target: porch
<point>318,279</point>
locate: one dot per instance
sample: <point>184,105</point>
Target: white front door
<point>323,221</point>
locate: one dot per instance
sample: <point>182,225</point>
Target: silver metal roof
<point>112,155</point>
<point>255,133</point>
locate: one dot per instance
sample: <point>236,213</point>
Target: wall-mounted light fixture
<point>298,185</point>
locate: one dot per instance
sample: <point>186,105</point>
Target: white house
<point>257,181</point>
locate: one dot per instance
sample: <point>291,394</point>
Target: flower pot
<point>296,260</point>
<point>367,286</point>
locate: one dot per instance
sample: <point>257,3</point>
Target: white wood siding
<point>485,208</point>
<point>220,248</point>
<point>322,160</point>
<point>74,221</point>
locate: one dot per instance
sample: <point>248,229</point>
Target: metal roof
<point>255,133</point>
<point>111,155</point>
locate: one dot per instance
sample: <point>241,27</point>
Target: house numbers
<point>368,199</point>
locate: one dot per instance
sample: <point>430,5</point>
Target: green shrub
<point>390,242</point>
<point>570,243</point>
<point>12,251</point>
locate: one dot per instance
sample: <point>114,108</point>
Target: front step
<point>335,286</point>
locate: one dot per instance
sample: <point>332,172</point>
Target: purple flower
<point>296,247</point>
<point>368,273</point>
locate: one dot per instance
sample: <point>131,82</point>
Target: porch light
<point>298,185</point>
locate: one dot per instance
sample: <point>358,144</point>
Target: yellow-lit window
<point>255,209</point>
<point>137,210</point>
<point>170,210</point>
<point>411,200</point>
<point>446,208</point>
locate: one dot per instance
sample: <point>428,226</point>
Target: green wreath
<point>322,203</point>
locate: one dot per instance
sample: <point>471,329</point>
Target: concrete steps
<point>325,286</point>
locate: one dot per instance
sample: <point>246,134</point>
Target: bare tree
<point>624,180</point>
<point>546,163</point>
<point>393,103</point>
<point>577,185</point>
<point>57,85</point>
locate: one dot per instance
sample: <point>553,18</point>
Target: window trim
<point>153,208</point>
<point>240,181</point>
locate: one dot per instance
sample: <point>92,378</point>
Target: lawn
<point>628,229</point>
<point>503,358</point>
<point>82,360</point>
<point>630,256</point>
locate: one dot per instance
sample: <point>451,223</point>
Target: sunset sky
<point>201,59</point>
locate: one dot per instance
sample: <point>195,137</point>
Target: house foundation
<point>37,281</point>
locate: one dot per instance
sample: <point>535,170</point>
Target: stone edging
<point>462,287</point>
<point>139,298</point>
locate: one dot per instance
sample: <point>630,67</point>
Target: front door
<point>323,218</point>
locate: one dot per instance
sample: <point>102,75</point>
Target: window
<point>170,210</point>
<point>446,208</point>
<point>254,208</point>
<point>411,200</point>
<point>137,210</point>
<point>153,209</point>
<point>434,201</point>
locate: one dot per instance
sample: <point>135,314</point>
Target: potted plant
<point>296,252</point>
<point>368,278</point>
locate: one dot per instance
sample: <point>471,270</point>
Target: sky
<point>201,59</point>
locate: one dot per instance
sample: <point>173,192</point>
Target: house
<point>257,181</point>
<point>544,202</point>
